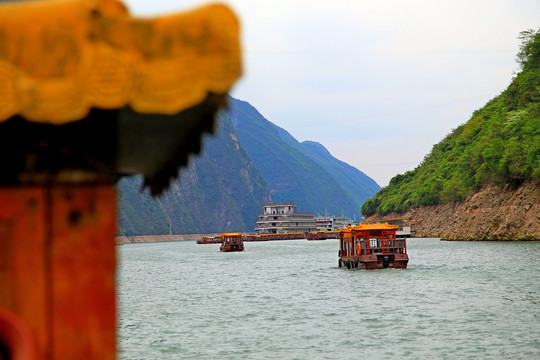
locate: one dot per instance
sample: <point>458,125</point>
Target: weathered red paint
<point>57,266</point>
<point>22,260</point>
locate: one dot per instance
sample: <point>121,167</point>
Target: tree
<point>525,49</point>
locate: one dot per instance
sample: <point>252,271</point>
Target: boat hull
<point>375,261</point>
<point>232,248</point>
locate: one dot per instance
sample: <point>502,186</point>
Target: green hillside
<point>248,162</point>
<point>500,144</point>
<point>298,173</point>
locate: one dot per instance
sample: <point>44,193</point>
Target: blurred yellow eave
<point>60,58</point>
<point>369,227</point>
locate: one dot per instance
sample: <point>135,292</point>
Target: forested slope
<point>306,175</point>
<point>223,189</point>
<point>499,145</point>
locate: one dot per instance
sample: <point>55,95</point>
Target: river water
<point>289,300</point>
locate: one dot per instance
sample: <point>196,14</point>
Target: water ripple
<point>289,300</point>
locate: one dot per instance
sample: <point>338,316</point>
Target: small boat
<point>210,240</point>
<point>322,235</point>
<point>274,237</point>
<point>372,246</point>
<point>231,242</point>
<point>317,235</point>
<point>404,229</point>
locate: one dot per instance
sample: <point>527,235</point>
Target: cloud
<point>362,76</point>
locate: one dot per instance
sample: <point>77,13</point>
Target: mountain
<point>357,184</point>
<point>249,162</point>
<point>303,173</point>
<point>219,191</point>
<point>487,169</point>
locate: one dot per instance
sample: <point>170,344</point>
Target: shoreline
<point>139,239</point>
<point>492,214</point>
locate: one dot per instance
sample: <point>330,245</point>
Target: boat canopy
<point>231,234</point>
<point>374,230</point>
<point>369,227</point>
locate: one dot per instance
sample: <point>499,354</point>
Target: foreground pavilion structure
<point>89,94</point>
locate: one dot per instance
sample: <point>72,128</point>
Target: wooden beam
<point>57,267</point>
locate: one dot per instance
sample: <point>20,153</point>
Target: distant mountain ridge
<point>248,162</point>
<point>357,184</point>
<point>304,173</point>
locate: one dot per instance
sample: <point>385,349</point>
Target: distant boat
<point>231,242</point>
<point>402,231</point>
<point>372,246</point>
<point>210,240</point>
<point>274,236</point>
<point>322,235</point>
<point>284,218</point>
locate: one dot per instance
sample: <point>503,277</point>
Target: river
<point>289,300</point>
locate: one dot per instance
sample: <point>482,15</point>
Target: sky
<point>377,82</point>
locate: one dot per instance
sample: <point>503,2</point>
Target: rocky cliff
<point>482,181</point>
<point>219,191</point>
<point>247,160</point>
<point>493,213</point>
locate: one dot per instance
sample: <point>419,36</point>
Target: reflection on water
<point>289,299</point>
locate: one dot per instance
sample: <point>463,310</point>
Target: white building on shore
<point>284,218</point>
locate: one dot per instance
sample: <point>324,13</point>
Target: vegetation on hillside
<point>500,144</point>
<point>220,191</point>
<point>223,189</point>
<point>306,174</point>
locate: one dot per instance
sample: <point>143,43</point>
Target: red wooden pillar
<point>367,242</point>
<point>57,267</point>
<point>22,262</point>
<point>353,242</point>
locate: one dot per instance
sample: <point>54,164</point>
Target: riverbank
<point>121,240</point>
<point>493,213</point>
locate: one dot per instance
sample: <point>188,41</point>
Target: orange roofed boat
<point>372,246</point>
<point>210,240</point>
<point>231,242</point>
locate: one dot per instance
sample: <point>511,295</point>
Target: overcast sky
<point>377,82</point>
